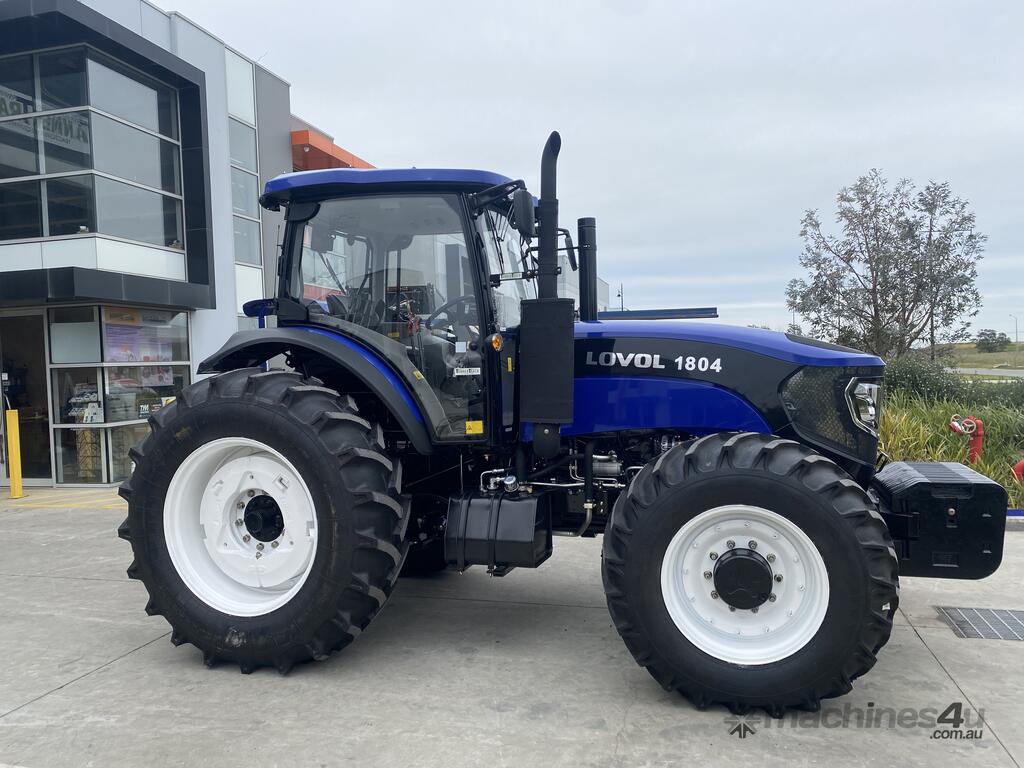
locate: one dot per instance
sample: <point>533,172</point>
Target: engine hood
<point>781,346</point>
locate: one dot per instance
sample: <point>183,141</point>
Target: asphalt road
<point>457,671</point>
<point>1009,373</point>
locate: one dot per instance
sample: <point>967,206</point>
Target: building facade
<point>133,148</point>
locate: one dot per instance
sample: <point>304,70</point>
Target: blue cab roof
<point>282,186</point>
<point>770,343</point>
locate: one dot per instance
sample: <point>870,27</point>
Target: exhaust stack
<point>547,250</point>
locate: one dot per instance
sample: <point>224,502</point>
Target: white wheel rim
<point>213,551</point>
<point>780,627</point>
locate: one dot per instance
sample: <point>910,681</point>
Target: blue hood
<point>770,343</point>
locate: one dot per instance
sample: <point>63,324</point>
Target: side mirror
<point>523,213</point>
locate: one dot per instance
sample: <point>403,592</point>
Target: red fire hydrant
<point>974,428</point>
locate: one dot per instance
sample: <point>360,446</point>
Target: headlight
<point>864,400</point>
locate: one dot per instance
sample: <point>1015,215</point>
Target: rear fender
<point>402,398</point>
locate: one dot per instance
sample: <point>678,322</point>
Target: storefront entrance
<point>23,383</point>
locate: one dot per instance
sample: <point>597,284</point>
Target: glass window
<point>137,214</point>
<point>17,86</point>
<point>122,439</point>
<point>66,145</point>
<point>245,193</point>
<point>20,211</point>
<point>62,78</point>
<point>19,148</point>
<point>241,94</point>
<point>128,95</point>
<point>247,241</point>
<point>504,254</point>
<point>74,335</point>
<point>399,266</point>
<point>134,155</point>
<point>144,335</point>
<point>248,323</point>
<point>80,455</point>
<point>242,144</point>
<point>76,396</point>
<point>136,391</point>
<point>69,205</point>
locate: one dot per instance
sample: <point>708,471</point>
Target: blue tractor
<point>424,398</point>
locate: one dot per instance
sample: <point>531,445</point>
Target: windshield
<point>505,253</point>
<point>399,266</point>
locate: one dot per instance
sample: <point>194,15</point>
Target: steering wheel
<point>455,317</point>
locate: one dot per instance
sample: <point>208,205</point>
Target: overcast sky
<point>696,133</point>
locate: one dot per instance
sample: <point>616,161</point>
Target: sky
<point>696,133</point>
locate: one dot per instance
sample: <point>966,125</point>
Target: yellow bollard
<point>14,454</point>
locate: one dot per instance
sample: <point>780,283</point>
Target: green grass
<point>916,428</point>
<point>966,356</point>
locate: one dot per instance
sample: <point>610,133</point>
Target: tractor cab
<point>426,268</point>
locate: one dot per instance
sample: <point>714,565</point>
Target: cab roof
<point>354,180</point>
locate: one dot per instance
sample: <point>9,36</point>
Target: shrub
<point>915,428</point>
<point>932,381</point>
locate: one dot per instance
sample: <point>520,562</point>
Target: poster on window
<point>133,336</point>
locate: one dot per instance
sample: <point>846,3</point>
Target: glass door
<point>24,388</point>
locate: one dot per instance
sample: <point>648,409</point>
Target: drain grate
<point>984,623</point>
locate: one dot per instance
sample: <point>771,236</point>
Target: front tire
<point>265,519</point>
<point>749,571</point>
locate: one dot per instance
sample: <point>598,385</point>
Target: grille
<point>984,623</point>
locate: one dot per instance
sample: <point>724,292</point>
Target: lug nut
<point>730,544</point>
<point>246,538</point>
<point>771,598</point>
<point>260,546</point>
<point>238,522</point>
<point>259,555</point>
<point>275,544</point>
<point>250,494</point>
<point>778,577</point>
<point>752,544</point>
<point>771,558</point>
<point>732,609</point>
<point>707,574</point>
<point>713,555</point>
<point>754,609</point>
<point>240,505</point>
<point>714,595</point>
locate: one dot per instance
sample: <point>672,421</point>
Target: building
<point>133,147</point>
<point>569,284</point>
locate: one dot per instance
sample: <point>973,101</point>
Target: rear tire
<point>812,527</point>
<point>331,544</point>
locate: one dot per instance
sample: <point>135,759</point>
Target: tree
<point>901,269</point>
<point>989,340</point>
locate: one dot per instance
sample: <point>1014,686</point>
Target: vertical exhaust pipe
<point>546,346</point>
<point>547,247</point>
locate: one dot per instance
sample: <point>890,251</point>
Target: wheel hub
<point>263,518</point>
<point>743,579</point>
<point>252,544</point>
<point>735,603</point>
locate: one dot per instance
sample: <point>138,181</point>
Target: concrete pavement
<point>457,671</point>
